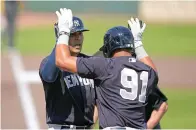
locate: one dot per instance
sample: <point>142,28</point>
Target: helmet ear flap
<point>104,50</point>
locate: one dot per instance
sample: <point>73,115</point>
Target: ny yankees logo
<point>76,23</point>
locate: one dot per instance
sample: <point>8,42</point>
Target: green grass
<point>159,40</point>
<point>181,111</point>
<point>182,106</point>
<point>176,40</point>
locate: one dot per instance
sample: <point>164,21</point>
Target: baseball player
<point>124,83</point>
<point>70,99</point>
<point>11,11</point>
<point>155,105</point>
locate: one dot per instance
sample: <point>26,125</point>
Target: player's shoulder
<point>132,62</point>
<point>41,66</point>
<point>128,60</point>
<point>43,61</point>
<point>145,66</point>
<point>153,73</point>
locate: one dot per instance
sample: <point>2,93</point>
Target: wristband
<point>63,39</point>
<point>140,52</point>
<point>137,44</point>
<point>64,33</point>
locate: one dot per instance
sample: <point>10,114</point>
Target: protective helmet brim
<point>79,30</point>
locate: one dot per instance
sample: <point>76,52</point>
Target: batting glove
<point>64,20</point>
<point>137,29</point>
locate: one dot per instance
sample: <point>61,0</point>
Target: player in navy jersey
<point>70,99</point>
<point>157,105</point>
<point>124,84</point>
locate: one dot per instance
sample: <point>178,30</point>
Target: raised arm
<point>137,29</point>
<point>64,60</point>
<point>48,69</point>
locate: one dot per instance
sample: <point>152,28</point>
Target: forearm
<point>142,55</point>
<point>148,61</point>
<point>49,71</point>
<point>95,116</point>
<point>64,60</point>
<point>137,28</point>
<point>157,115</point>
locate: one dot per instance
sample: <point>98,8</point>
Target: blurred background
<point>27,26</point>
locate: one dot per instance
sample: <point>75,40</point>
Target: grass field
<point>159,40</point>
<point>181,113</point>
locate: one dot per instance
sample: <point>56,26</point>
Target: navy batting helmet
<point>118,37</point>
<point>78,26</point>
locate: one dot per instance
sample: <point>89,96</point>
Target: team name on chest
<point>73,80</point>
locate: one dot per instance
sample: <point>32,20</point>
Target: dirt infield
<point>173,72</point>
<point>29,19</point>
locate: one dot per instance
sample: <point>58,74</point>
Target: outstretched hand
<point>64,20</point>
<point>137,28</point>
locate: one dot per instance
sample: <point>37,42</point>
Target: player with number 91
<point>124,83</point>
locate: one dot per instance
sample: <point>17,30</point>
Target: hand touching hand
<point>64,20</point>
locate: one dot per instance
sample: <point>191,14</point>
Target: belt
<point>75,127</point>
<point>119,128</point>
<point>57,126</point>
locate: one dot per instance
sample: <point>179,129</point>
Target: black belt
<point>75,127</point>
<point>57,126</point>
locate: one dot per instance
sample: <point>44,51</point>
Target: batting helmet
<point>78,26</point>
<point>118,37</point>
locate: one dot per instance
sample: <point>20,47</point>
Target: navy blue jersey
<point>124,87</point>
<point>60,108</point>
<point>156,98</point>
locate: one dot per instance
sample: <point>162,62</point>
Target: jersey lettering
<point>75,80</point>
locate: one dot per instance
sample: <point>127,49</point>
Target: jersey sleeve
<point>92,67</point>
<point>156,98</point>
<point>48,70</point>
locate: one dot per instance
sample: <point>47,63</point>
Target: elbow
<point>59,63</point>
<point>62,64</point>
<point>166,107</point>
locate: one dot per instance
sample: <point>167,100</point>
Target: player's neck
<point>74,54</point>
<point>122,53</point>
